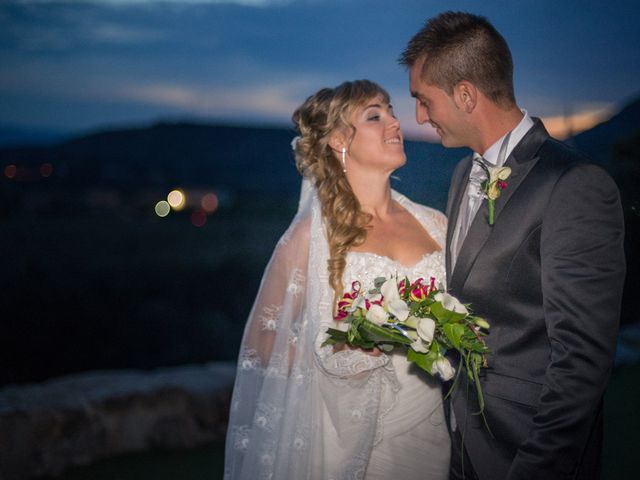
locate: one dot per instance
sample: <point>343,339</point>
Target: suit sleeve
<point>582,275</point>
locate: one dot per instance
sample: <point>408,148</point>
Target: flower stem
<point>492,208</point>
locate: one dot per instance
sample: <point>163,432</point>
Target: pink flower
<point>346,302</point>
<point>402,286</point>
<point>420,291</point>
<point>368,303</point>
<point>432,284</point>
<point>341,315</point>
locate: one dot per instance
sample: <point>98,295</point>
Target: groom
<point>546,271</point>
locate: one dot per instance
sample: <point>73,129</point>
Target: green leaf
<point>378,282</point>
<point>355,339</point>
<point>422,360</point>
<point>437,349</point>
<point>366,345</point>
<point>443,315</point>
<point>454,332</point>
<point>475,346</point>
<point>375,333</point>
<point>405,296</point>
<point>335,336</point>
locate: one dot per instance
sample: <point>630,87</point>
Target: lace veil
<point>300,411</point>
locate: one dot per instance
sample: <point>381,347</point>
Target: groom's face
<point>439,109</point>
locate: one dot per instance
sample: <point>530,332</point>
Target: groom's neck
<point>493,122</point>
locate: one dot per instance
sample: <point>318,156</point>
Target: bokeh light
<point>162,208</point>
<point>198,218</point>
<point>177,199</point>
<point>10,171</point>
<point>46,169</point>
<point>209,202</point>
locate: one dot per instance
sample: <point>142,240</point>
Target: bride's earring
<point>344,159</point>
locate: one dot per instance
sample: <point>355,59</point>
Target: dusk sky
<point>85,64</point>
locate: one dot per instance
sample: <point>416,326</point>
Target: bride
<point>301,410</point>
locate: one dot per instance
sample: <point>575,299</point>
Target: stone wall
<point>48,427</point>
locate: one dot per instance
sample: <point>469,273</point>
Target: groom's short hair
<point>460,46</point>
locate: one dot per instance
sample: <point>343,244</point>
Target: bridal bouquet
<point>419,316</point>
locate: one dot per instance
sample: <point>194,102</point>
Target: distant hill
<point>598,142</point>
<point>249,159</point>
<point>169,154</point>
<point>12,136</point>
<point>243,159</point>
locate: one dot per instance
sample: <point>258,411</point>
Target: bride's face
<point>378,141</point>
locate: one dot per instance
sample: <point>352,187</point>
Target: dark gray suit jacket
<point>548,276</point>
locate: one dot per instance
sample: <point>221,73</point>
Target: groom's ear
<point>465,95</point>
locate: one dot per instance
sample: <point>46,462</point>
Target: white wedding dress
<point>412,433</point>
<point>299,410</point>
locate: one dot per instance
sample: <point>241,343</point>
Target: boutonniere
<point>493,185</point>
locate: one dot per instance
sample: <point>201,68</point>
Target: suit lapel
<point>458,188</point>
<point>522,159</point>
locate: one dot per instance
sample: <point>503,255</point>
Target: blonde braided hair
<point>316,120</point>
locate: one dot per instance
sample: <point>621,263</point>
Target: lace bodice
<point>366,267</point>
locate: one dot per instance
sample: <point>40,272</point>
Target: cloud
<point>122,34</point>
<point>273,101</point>
<point>62,28</point>
<point>251,3</point>
<point>262,58</point>
<point>564,126</point>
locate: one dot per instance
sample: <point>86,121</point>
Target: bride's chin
<point>397,161</point>
<point>401,161</point>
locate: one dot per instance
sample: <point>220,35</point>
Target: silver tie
<point>475,196</point>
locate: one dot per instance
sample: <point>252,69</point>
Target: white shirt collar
<point>491,155</point>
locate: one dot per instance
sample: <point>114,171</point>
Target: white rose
<point>426,328</point>
<point>451,303</point>
<point>443,368</point>
<point>377,315</point>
